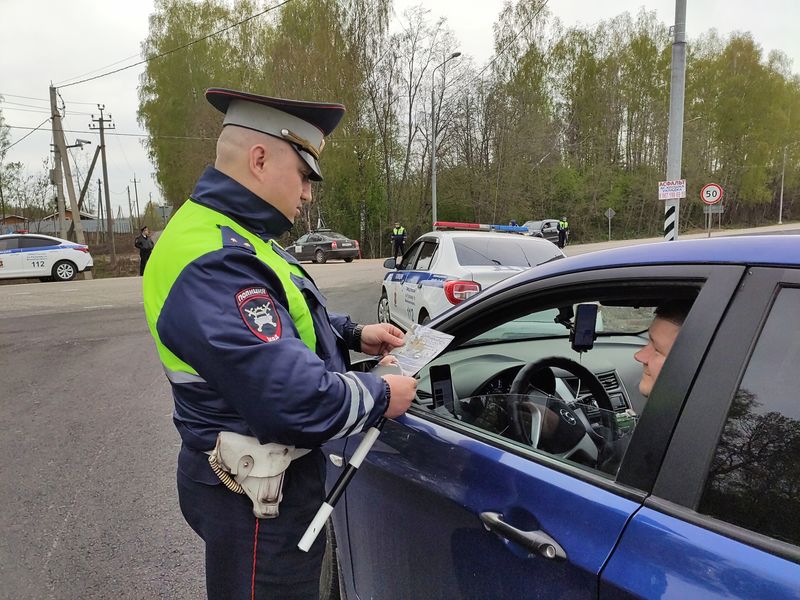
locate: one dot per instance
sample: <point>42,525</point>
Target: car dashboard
<point>490,369</point>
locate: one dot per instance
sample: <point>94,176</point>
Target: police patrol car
<point>452,263</point>
<point>43,256</point>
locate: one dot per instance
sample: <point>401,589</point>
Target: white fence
<point>51,226</point>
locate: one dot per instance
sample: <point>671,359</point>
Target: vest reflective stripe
<point>193,232</point>
<point>400,231</point>
<point>563,224</point>
<point>181,377</point>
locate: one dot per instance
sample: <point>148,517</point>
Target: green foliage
<point>567,120</point>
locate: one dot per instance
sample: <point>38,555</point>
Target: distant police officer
<point>563,232</point>
<point>258,366</point>
<point>398,239</point>
<point>145,245</point>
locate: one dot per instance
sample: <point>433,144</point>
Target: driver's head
<point>665,327</point>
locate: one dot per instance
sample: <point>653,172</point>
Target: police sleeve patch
<point>259,313</point>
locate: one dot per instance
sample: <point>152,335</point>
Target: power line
<point>139,135</point>
<point>27,134</point>
<point>332,141</point>
<point>5,102</point>
<point>43,111</point>
<point>205,37</point>
<point>104,67</point>
<point>43,99</point>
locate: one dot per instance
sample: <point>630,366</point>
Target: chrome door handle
<point>337,460</point>
<point>536,541</point>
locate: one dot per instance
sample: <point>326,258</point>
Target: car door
<point>443,509</point>
<point>723,518</point>
<point>38,255</point>
<point>10,258</point>
<point>422,287</point>
<point>297,247</point>
<point>550,230</point>
<point>396,286</point>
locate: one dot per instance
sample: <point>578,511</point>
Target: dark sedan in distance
<point>547,229</point>
<point>323,245</point>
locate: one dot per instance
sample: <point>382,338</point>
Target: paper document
<point>423,344</point>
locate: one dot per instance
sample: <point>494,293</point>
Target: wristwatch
<point>388,391</point>
<point>356,339</point>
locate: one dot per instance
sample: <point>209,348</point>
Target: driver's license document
<point>422,345</point>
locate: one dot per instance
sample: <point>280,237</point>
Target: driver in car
<point>666,325</point>
<point>562,428</point>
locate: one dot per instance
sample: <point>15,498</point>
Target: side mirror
<point>390,263</point>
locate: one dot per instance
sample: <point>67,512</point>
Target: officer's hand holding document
<point>422,345</point>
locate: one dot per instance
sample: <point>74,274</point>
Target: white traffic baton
<point>318,523</point>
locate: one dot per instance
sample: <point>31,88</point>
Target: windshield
<point>337,236</point>
<point>620,320</point>
<point>492,250</point>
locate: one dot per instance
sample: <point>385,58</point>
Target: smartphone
<point>584,334</point>
<point>442,387</point>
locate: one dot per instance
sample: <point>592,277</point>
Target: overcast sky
<point>58,41</point>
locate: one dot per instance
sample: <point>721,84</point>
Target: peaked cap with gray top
<point>302,124</point>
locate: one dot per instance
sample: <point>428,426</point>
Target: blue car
<point>536,462</point>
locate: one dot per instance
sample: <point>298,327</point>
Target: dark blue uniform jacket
<point>278,391</point>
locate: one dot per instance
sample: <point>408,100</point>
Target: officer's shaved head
<point>234,144</point>
<point>240,149</point>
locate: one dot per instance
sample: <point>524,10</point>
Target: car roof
<point>525,239</point>
<point>766,250</point>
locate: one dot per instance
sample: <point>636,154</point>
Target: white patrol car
<point>42,256</point>
<point>443,268</point>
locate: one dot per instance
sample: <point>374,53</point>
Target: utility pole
<point>677,90</point>
<point>434,120</point>
<point>74,209</point>
<point>130,209</point>
<point>101,122</point>
<point>99,208</point>
<point>62,160</point>
<point>56,175</point>
<point>136,195</point>
<point>2,201</point>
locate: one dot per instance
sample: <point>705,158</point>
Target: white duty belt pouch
<point>256,469</point>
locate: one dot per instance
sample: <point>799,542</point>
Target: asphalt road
<point>89,508</point>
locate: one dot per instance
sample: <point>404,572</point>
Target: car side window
<point>522,381</point>
<point>754,479</point>
<point>425,256</point>
<point>9,244</point>
<point>30,242</point>
<point>315,238</point>
<point>410,257</point>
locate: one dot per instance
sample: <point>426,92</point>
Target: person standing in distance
<point>563,232</point>
<point>249,347</point>
<point>398,239</point>
<point>145,245</point>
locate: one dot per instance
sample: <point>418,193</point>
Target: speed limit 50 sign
<point>711,193</point>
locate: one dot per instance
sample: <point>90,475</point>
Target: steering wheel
<point>554,426</point>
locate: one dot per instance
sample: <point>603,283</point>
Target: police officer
<point>249,346</point>
<point>145,245</point>
<point>563,232</point>
<point>398,239</point>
